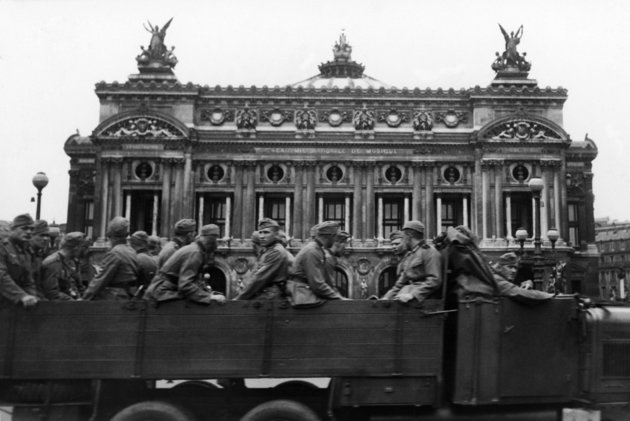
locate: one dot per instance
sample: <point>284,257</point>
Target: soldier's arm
<point>100,281</point>
<point>51,272</point>
<point>424,274</point>
<point>265,273</point>
<point>316,276</point>
<point>189,273</point>
<point>8,288</point>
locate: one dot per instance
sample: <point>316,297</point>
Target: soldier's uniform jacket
<point>267,282</point>
<point>118,276</point>
<point>37,258</point>
<point>168,250</point>
<point>147,267</point>
<point>60,278</point>
<point>16,278</point>
<point>180,276</point>
<point>420,275</point>
<point>310,267</point>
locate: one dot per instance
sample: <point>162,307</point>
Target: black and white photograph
<point>412,210</point>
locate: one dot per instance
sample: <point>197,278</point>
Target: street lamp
<point>535,186</point>
<point>40,180</point>
<point>521,235</point>
<point>553,234</point>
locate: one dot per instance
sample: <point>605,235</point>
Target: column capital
<point>491,163</point>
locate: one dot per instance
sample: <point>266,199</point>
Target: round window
<point>451,174</point>
<point>275,173</point>
<point>520,173</point>
<point>216,173</point>
<point>334,174</point>
<point>144,170</point>
<point>393,174</point>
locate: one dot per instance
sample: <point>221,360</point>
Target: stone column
<point>498,200</point>
<point>104,196</point>
<point>298,223</point>
<point>485,198</point>
<point>320,209</point>
<point>429,216</point>
<point>508,216</point>
<point>238,200</point>
<point>178,195</point>
<point>405,209</point>
<point>287,216</point>
<point>346,213</point>
<point>556,201</point>
<point>308,204</point>
<point>261,206</point>
<point>438,216</point>
<point>357,225</point>
<point>154,214</point>
<point>379,218</point>
<point>369,201</point>
<point>187,186</point>
<point>563,223</point>
<point>127,196</point>
<point>202,205</point>
<point>228,216</point>
<point>117,194</point>
<point>166,217</point>
<point>416,194</point>
<point>249,201</point>
<point>477,195</point>
<point>465,210</point>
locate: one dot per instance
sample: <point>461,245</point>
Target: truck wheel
<point>281,410</point>
<point>153,411</point>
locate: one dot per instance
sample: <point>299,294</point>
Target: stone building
<point>341,146</point>
<point>613,243</point>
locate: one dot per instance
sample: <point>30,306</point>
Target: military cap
<point>508,259</point>
<point>40,227</point>
<point>342,236</point>
<point>154,239</point>
<point>396,234</point>
<point>210,229</point>
<point>267,223</point>
<point>73,239</point>
<point>140,237</point>
<point>255,237</point>
<point>184,226</point>
<point>415,226</point>
<point>327,228</point>
<point>22,220</point>
<point>118,227</point>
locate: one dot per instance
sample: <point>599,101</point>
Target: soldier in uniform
<point>147,266</point>
<point>504,272</point>
<point>60,274</point>
<point>118,277</point>
<point>180,276</point>
<point>16,279</point>
<point>310,263</point>
<point>333,253</point>
<point>399,246</point>
<point>269,278</point>
<point>421,271</point>
<point>39,247</point>
<point>184,234</point>
<point>154,246</point>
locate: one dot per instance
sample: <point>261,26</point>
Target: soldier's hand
<point>404,297</point>
<point>29,301</point>
<point>219,298</point>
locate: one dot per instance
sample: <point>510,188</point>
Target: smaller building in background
<point>613,242</point>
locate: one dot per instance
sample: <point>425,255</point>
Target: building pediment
<point>141,125</point>
<point>522,128</point>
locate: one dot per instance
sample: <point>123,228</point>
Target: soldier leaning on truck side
<point>421,271</point>
<point>269,279</point>
<point>185,231</point>
<point>17,285</point>
<point>118,277</point>
<point>60,274</point>
<point>310,263</point>
<point>39,248</point>
<point>180,276</point>
<point>147,265</point>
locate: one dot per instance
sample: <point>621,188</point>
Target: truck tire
<point>281,410</point>
<point>153,411</point>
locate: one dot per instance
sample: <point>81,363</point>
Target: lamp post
<point>553,234</point>
<point>535,186</point>
<point>521,235</point>
<point>40,180</point>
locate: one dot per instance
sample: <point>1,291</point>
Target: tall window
<point>341,282</point>
<point>393,215</point>
<point>452,211</point>
<point>88,217</point>
<point>521,206</point>
<point>275,207</point>
<point>574,232</point>
<point>144,214</point>
<point>214,211</point>
<point>334,209</point>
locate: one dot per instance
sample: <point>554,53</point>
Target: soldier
<point>421,272</point>
<point>180,276</point>
<point>310,263</point>
<point>505,272</point>
<point>154,246</point>
<point>399,246</point>
<point>39,247</point>
<point>269,278</point>
<point>184,235</point>
<point>139,241</point>
<point>60,274</point>
<point>118,277</point>
<point>335,251</point>
<point>16,279</point>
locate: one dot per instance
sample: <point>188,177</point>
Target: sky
<point>53,52</point>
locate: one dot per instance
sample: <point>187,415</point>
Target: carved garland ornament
<point>143,127</point>
<point>522,130</point>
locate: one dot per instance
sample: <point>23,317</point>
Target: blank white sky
<point>53,52</point>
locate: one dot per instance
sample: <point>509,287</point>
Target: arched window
<point>341,282</point>
<point>217,280</point>
<point>387,280</point>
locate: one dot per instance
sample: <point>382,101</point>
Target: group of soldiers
<point>137,267</point>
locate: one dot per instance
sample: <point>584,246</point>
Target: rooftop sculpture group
<point>157,56</point>
<point>511,60</point>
